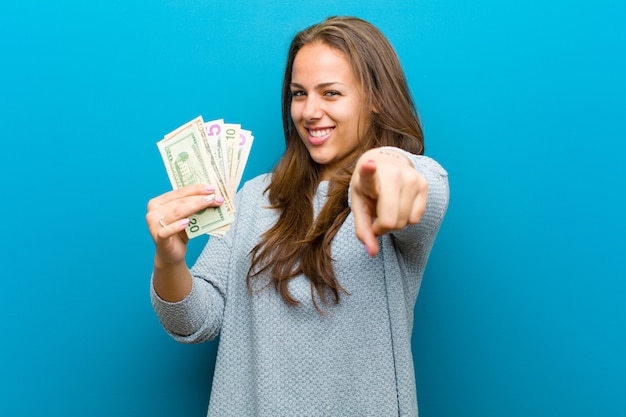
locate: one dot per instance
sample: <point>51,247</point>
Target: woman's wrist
<point>393,152</point>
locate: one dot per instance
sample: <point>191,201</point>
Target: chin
<point>320,159</point>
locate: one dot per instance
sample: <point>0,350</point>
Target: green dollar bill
<point>188,162</point>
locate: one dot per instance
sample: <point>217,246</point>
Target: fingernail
<point>368,251</point>
<point>219,200</point>
<point>210,188</point>
<point>184,222</point>
<point>209,198</point>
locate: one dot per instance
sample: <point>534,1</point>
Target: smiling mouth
<point>320,133</point>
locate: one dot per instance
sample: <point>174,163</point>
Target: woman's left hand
<point>387,194</point>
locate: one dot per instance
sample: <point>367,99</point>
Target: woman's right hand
<point>168,215</point>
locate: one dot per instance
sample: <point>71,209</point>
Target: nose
<point>312,108</point>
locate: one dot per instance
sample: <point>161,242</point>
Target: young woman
<point>313,288</point>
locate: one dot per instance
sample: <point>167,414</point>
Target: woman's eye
<point>298,93</point>
<point>331,93</point>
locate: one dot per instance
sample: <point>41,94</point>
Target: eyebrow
<point>317,87</point>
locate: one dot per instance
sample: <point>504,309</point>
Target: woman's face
<point>327,106</point>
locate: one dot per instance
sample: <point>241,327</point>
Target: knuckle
<point>386,222</point>
<point>152,204</point>
<point>415,181</point>
<point>417,214</point>
<point>176,213</point>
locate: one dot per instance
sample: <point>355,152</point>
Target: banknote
<point>231,135</point>
<point>217,147</point>
<point>199,152</point>
<point>239,157</point>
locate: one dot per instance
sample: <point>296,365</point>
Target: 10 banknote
<point>214,153</point>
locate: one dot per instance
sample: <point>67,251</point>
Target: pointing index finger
<point>367,179</point>
<point>364,195</point>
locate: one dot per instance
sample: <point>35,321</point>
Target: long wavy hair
<point>299,243</point>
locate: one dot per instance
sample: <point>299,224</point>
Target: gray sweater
<point>278,360</point>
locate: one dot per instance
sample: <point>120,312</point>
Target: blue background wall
<point>522,309</point>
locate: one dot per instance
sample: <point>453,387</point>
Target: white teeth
<point>320,133</point>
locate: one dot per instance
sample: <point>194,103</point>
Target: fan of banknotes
<point>215,153</point>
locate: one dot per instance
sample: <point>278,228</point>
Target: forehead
<point>320,60</point>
